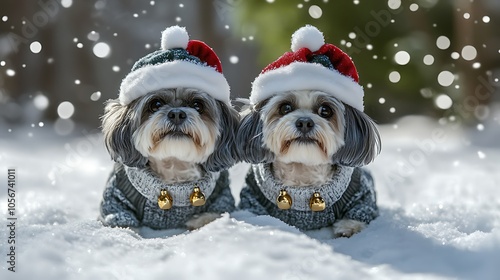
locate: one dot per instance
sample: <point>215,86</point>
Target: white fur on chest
<point>172,170</point>
<point>298,174</point>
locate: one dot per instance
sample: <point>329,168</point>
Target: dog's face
<point>303,126</point>
<point>182,125</point>
<point>309,127</point>
<point>185,124</point>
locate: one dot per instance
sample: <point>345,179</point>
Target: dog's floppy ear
<point>362,140</point>
<point>117,129</point>
<point>224,156</point>
<point>249,145</point>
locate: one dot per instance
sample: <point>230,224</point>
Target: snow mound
<point>439,200</point>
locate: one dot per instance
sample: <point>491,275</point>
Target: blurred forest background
<point>61,59</point>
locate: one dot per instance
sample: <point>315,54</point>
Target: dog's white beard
<point>181,148</point>
<point>306,153</point>
<point>328,142</point>
<point>195,149</point>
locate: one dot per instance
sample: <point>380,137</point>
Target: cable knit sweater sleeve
<point>224,201</point>
<point>248,201</point>
<point>362,206</point>
<point>116,209</point>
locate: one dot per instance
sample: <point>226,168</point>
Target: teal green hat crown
<point>163,56</point>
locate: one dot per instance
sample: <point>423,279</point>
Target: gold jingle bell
<point>284,200</point>
<point>165,201</point>
<point>317,203</point>
<point>197,197</point>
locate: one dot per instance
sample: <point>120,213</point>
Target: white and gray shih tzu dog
<point>307,136</point>
<point>172,133</point>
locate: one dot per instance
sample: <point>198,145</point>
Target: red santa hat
<point>179,63</point>
<point>312,65</point>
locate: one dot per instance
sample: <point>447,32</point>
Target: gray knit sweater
<point>130,199</point>
<point>350,194</point>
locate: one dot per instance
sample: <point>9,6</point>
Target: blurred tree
<point>67,67</point>
<point>373,32</point>
<point>33,83</point>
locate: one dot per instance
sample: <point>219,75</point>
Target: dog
<point>172,134</point>
<point>306,135</point>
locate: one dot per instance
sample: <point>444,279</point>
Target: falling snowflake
<point>315,12</point>
<point>445,78</point>
<point>233,59</point>
<point>443,42</point>
<point>35,47</point>
<point>443,101</point>
<point>65,110</point>
<point>402,57</point>
<point>101,50</point>
<point>481,155</point>
<point>394,77</point>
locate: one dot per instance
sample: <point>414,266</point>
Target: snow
<point>440,217</point>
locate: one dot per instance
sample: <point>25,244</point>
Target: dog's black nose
<point>177,116</point>
<point>304,124</point>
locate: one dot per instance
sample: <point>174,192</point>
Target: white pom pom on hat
<point>174,37</point>
<point>307,37</point>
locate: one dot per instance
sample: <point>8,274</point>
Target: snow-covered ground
<point>438,190</point>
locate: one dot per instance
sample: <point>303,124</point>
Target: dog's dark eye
<point>198,106</point>
<point>325,111</point>
<point>285,109</point>
<point>155,105</point>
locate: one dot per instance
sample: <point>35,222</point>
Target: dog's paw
<point>197,221</point>
<point>347,228</point>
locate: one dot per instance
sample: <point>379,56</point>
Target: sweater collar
<point>150,185</point>
<point>331,191</point>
